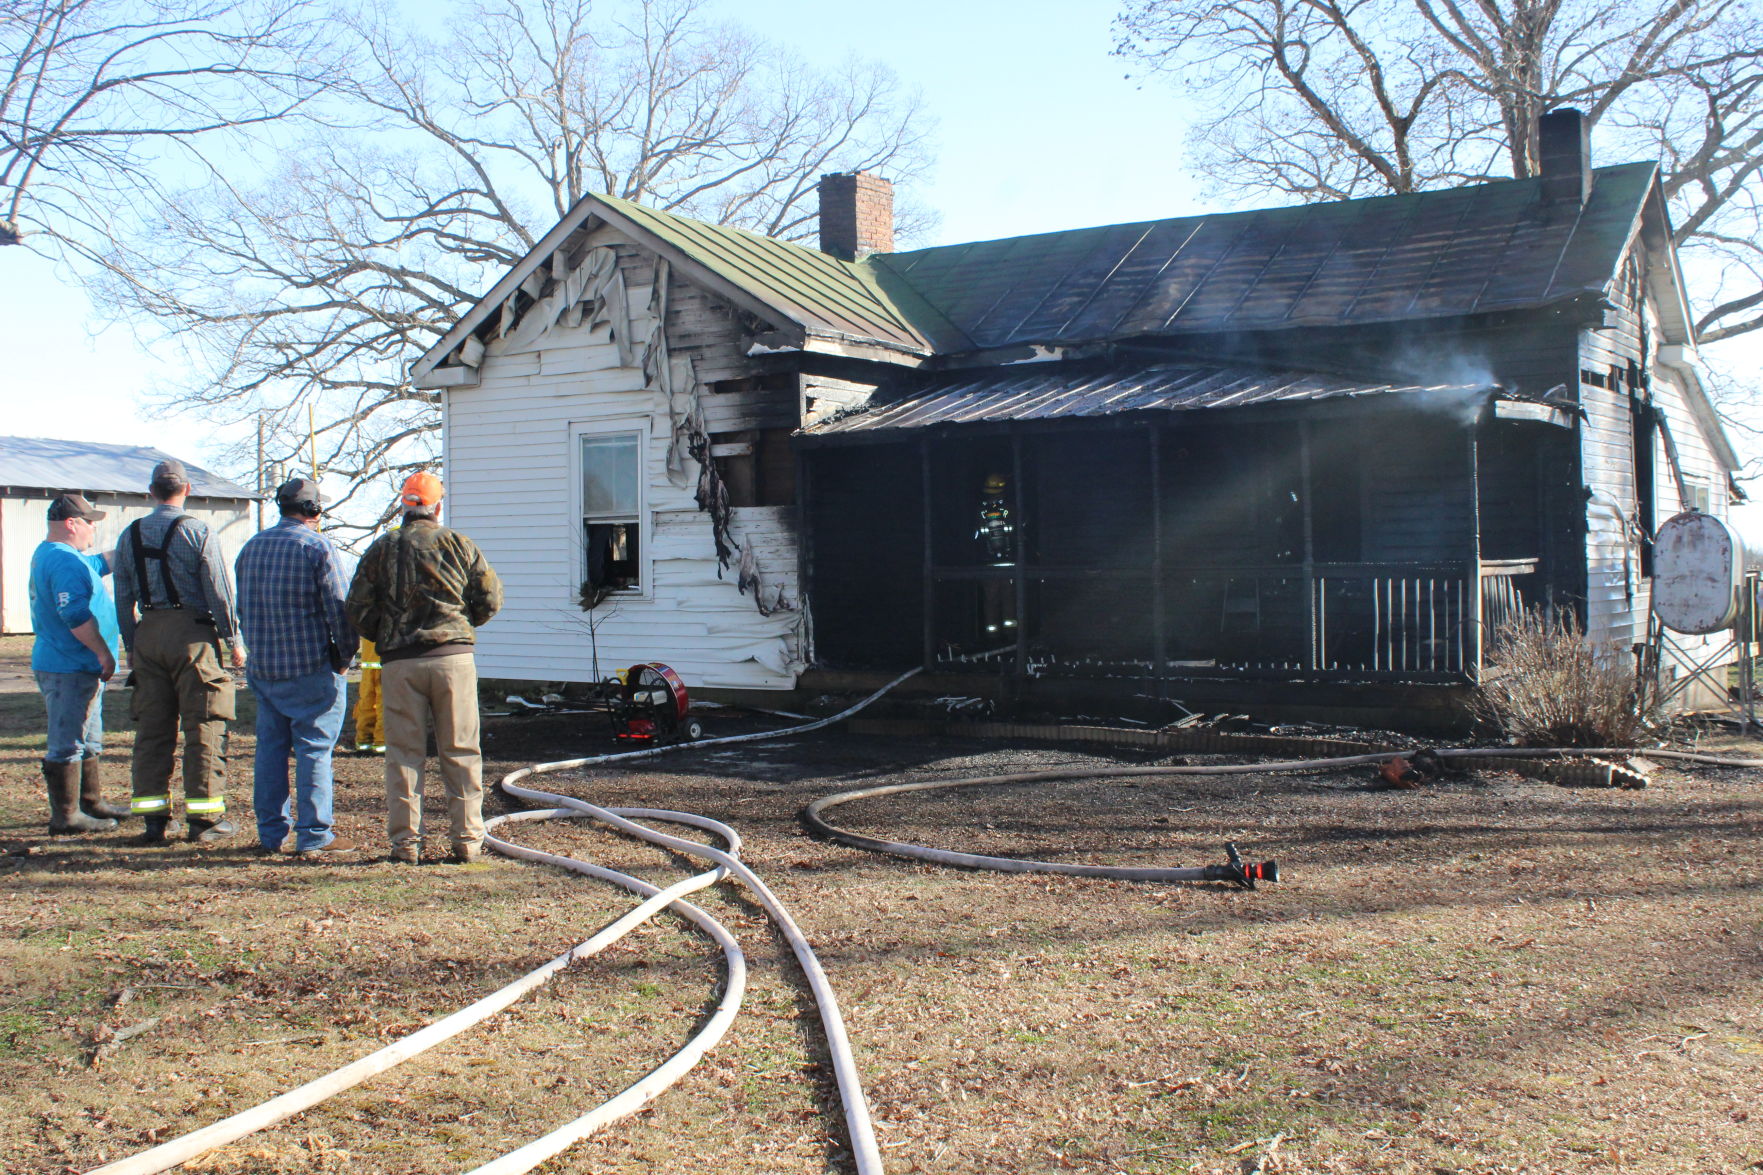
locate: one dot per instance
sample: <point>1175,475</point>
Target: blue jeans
<point>301,716</point>
<point>75,702</point>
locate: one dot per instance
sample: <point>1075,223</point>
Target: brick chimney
<point>1564,156</point>
<point>856,215</point>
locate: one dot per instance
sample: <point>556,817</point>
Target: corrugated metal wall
<point>23,521</point>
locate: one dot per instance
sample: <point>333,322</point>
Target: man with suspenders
<point>174,604</point>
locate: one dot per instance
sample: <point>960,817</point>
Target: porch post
<point>930,586</point>
<point>1312,656</point>
<point>1021,584</point>
<point>804,550</point>
<point>1476,638</point>
<point>1159,642</point>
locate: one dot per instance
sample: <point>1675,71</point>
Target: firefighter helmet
<point>995,483</point>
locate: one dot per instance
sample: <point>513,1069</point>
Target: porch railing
<point>1331,620</point>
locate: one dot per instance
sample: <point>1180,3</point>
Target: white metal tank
<point>1699,566</point>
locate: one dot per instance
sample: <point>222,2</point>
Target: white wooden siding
<point>1618,596</point>
<point>511,487</point>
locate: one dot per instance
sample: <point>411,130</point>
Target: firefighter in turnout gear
<point>370,713</point>
<point>996,537</point>
<point>174,604</point>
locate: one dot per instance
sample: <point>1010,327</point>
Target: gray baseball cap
<point>299,491</point>
<point>170,471</point>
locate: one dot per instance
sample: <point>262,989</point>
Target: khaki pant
<point>179,680</point>
<point>411,692</point>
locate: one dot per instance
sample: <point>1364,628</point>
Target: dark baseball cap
<point>167,472</point>
<point>73,506</point>
<point>299,491</point>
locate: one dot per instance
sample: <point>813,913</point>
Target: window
<point>611,501</point>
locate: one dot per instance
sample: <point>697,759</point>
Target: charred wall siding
<point>1617,378</point>
<point>1607,380</point>
<point>867,544</point>
<point>511,481</point>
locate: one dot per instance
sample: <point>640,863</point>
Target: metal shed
<point>33,470</point>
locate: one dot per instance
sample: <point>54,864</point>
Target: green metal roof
<point>819,292</point>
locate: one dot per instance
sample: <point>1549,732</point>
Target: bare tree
<point>319,282</point>
<point>1326,99</point>
<point>101,99</point>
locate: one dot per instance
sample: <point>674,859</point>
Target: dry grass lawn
<point>1487,975</point>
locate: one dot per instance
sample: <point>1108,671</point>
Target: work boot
<point>208,832</point>
<point>467,854</point>
<point>92,801</point>
<point>65,817</point>
<point>339,846</point>
<point>159,828</point>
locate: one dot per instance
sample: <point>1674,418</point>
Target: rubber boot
<point>92,801</point>
<point>209,832</point>
<point>158,829</point>
<point>65,817</point>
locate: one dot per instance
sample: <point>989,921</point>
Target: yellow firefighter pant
<point>370,716</point>
<point>179,681</point>
<point>446,689</point>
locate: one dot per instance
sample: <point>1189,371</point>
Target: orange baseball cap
<point>422,489</point>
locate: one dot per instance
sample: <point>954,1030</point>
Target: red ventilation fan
<point>650,705</point>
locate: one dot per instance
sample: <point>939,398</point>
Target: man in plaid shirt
<point>291,593</point>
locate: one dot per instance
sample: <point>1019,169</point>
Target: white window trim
<point>625,426</point>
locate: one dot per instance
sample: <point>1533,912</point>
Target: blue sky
<point>1039,130</point>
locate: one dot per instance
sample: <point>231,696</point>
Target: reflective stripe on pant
<point>179,681</point>
<point>446,688</point>
<point>149,805</point>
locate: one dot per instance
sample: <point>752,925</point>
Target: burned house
<point>1325,446</point>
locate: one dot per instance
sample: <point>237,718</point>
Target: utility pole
<point>260,470</point>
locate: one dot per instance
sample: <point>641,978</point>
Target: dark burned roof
<point>1462,251</point>
<point>1056,390</point>
<point>1490,247</point>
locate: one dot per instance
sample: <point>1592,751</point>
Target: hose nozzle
<point>1240,872</point>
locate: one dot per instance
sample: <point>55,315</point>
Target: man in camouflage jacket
<point>419,594</point>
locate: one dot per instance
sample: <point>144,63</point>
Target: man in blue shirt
<point>73,655</point>
<point>291,592</point>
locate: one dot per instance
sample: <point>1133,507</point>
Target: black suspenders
<point>143,553</point>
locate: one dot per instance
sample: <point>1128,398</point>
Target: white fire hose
<point>180,1150</point>
<point>186,1147</point>
<point>726,863</point>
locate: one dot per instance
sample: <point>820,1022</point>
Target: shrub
<point>1544,684</point>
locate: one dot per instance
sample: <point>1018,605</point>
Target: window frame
<point>636,428</point>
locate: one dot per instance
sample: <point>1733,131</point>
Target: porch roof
<point>1054,391</point>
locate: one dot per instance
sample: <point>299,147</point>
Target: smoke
<point>1457,381</point>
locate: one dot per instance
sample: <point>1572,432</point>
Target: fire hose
<point>726,863</point>
<point>1236,870</point>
